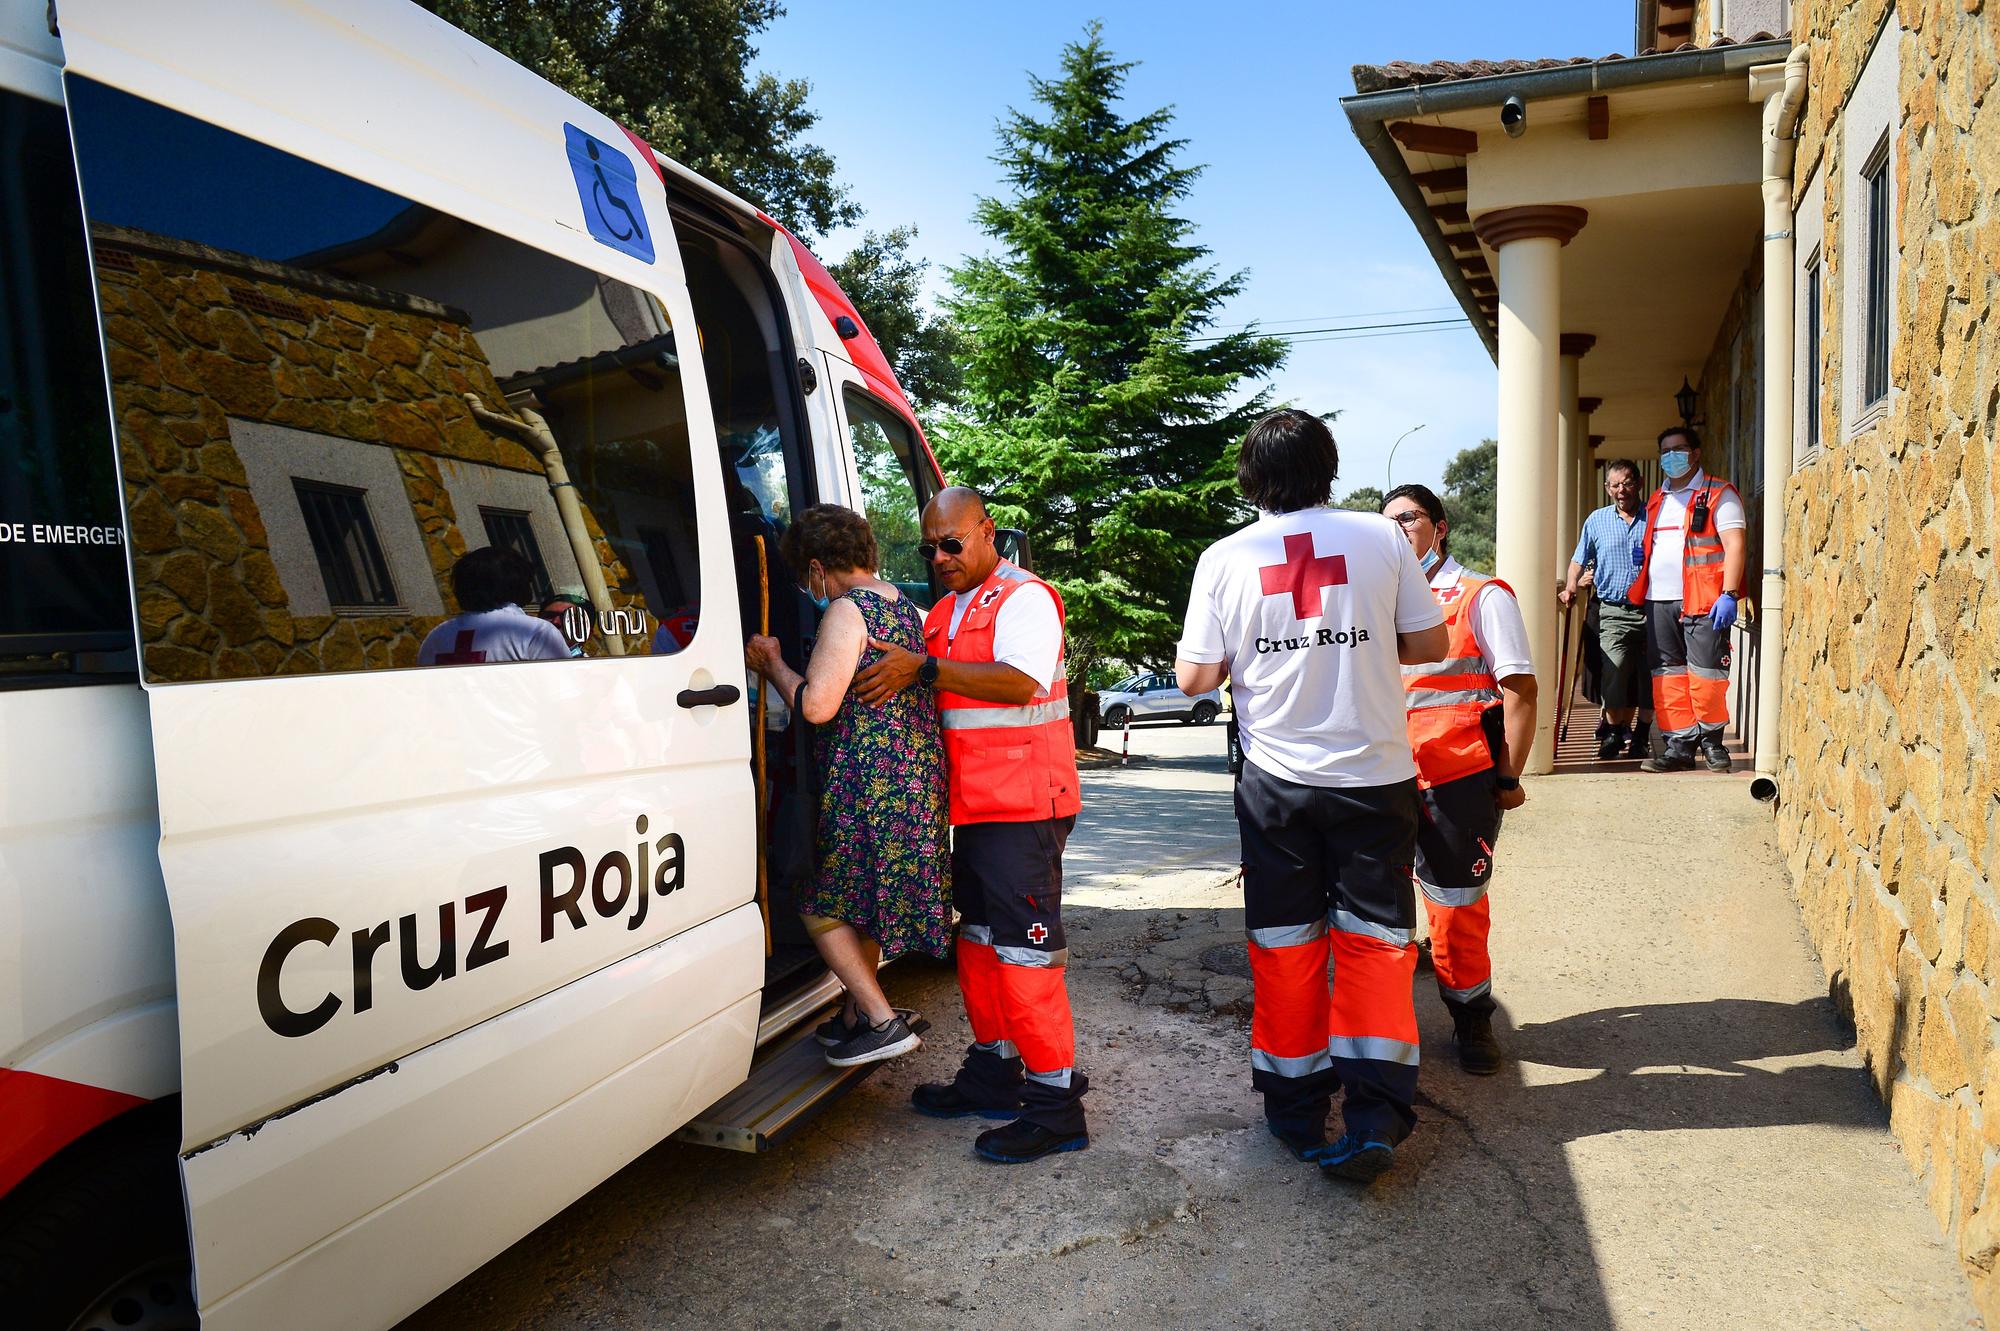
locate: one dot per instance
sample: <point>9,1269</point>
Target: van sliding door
<point>439,631</point>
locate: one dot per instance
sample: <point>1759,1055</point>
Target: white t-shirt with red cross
<point>506,634</point>
<point>1305,608</point>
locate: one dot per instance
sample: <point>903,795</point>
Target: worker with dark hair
<point>490,584</point>
<point>1472,721</point>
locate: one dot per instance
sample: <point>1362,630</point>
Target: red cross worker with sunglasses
<point>994,652</point>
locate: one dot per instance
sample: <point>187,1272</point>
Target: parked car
<point>1156,698</point>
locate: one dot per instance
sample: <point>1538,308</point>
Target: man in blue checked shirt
<point>1605,548</point>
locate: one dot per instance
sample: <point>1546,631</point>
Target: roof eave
<point>1367,113</point>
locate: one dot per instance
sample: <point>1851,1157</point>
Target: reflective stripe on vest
<point>1008,762</point>
<point>1448,699</point>
<point>1701,552</point>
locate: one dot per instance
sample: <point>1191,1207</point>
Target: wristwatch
<point>928,671</point>
<point>1505,782</point>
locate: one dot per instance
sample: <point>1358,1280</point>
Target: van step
<point>790,1082</point>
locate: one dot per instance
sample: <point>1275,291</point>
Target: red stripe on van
<point>647,155</point>
<point>864,351</point>
<point>40,1115</point>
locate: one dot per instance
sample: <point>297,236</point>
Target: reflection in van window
<point>892,491</point>
<point>345,419</point>
<point>63,605</point>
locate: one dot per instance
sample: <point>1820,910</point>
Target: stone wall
<point>198,338</point>
<point>1890,775</point>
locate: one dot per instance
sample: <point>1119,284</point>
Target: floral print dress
<point>885,819</point>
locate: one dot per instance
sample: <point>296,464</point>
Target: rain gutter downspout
<point>532,430</point>
<point>1781,119</point>
<point>1369,113</point>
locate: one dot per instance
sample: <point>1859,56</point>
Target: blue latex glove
<point>1723,615</point>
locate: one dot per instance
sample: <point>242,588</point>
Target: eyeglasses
<point>951,545</point>
<point>1408,517</point>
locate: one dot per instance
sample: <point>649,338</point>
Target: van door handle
<point>719,696</point>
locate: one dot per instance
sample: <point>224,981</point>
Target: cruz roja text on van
<point>615,881</point>
<point>1347,637</point>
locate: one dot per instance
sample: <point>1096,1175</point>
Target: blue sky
<point>909,92</point>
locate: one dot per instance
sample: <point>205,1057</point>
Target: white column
<point>1568,447</point>
<point>1572,445</point>
<point>1528,261</point>
<point>1589,492</point>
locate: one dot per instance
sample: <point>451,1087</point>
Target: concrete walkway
<point>1682,1138</point>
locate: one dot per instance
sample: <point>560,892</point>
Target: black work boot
<point>1715,754</point>
<point>1642,740</point>
<point>1609,745</point>
<point>1478,1050</point>
<point>1021,1141</point>
<point>987,1084</point>
<point>1676,758</point>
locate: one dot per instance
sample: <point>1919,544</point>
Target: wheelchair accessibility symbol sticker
<point>608,187</point>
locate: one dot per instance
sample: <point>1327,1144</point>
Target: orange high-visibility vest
<point>1701,551</point>
<point>1008,763</point>
<point>1449,699</point>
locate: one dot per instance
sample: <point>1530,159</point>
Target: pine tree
<point>1099,412</point>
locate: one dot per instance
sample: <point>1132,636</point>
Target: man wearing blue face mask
<point>1690,572</point>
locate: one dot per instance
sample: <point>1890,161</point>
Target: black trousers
<point>1326,876</point>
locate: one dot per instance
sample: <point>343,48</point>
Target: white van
<point>349,933</point>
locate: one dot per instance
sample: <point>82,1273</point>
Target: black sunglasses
<point>951,545</point>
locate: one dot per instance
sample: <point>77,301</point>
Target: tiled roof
<point>1405,73</point>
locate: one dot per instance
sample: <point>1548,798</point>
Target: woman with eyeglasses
<point>883,878</point>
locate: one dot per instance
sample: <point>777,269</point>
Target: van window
<point>343,417</point>
<point>64,609</point>
<point>892,493</point>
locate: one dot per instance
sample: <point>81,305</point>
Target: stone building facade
<point>1890,812</point>
<point>1868,684</point>
<point>210,352</point>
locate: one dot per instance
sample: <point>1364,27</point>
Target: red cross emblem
<point>461,652</point>
<point>1446,595</point>
<point>1038,932</point>
<point>1303,575</point>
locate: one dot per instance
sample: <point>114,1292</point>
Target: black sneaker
<point>1609,745</point>
<point>945,1100</point>
<point>836,1030</point>
<point>1304,1143</point>
<point>873,1044</point>
<point>1022,1141</point>
<point>1675,759</point>
<point>1642,741</point>
<point>1358,1158</point>
<point>1716,756</point>
<point>1478,1051</point>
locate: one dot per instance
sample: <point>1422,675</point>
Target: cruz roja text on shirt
<point>1347,637</point>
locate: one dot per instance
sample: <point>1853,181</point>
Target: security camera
<point>1514,117</point>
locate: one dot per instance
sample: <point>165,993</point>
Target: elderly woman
<point>883,878</point>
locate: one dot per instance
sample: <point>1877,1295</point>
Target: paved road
<point>1170,808</point>
<point>1684,1138</point>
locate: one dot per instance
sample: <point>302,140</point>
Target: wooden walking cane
<point>757,744</point>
